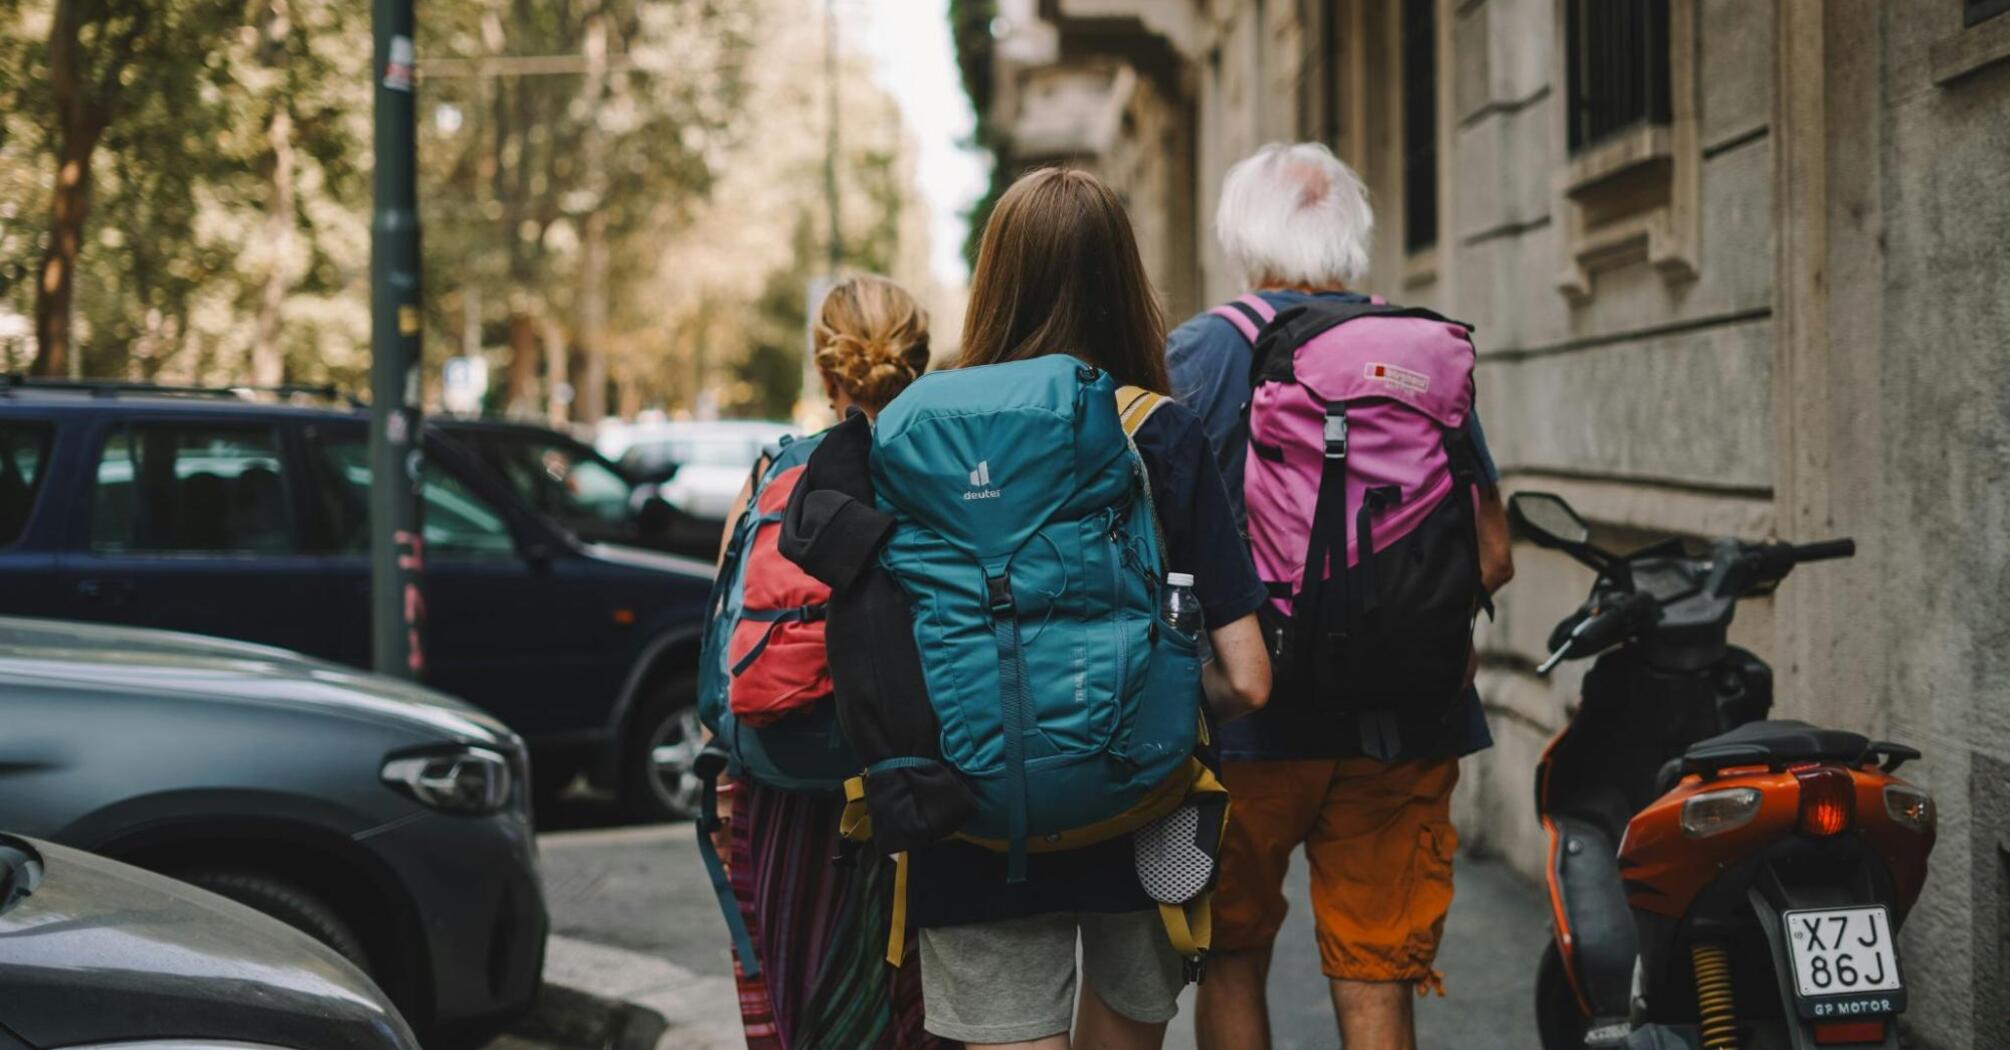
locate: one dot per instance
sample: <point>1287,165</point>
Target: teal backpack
<point>1026,538</point>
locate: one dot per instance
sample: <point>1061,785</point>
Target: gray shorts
<point>1013,981</point>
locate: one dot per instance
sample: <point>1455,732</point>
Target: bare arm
<point>733,515</point>
<point>1237,680</point>
<point>1496,554</point>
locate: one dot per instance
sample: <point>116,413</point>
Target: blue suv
<point>210,512</point>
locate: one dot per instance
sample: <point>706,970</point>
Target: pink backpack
<point>1360,485</point>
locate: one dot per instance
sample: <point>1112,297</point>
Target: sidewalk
<point>633,912</point>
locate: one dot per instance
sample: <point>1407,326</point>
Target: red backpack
<point>776,652</point>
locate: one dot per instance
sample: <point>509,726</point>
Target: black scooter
<point>1717,880</point>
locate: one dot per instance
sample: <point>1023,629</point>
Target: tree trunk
<point>591,391</point>
<point>79,126</point>
<point>557,395</point>
<point>268,359</point>
<point>518,399</point>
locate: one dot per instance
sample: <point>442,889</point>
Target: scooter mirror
<point>1546,520</point>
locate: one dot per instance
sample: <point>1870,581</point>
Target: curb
<point>600,998</point>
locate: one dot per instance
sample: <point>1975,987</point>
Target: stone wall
<point>1810,342</point>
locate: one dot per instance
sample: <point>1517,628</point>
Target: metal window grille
<point>1974,12</point>
<point>1420,124</point>
<point>1618,67</point>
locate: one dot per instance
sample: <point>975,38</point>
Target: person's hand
<point>722,835</point>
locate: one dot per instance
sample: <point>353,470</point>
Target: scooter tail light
<point>1828,800</point>
<point>1846,1033</point>
<point>1715,812</point>
<point>1909,806</point>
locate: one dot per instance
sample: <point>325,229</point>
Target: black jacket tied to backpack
<point>833,529</point>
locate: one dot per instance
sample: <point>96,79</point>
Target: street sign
<point>464,382</point>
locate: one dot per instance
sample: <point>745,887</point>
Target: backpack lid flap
<point>1425,364</point>
<point>985,456</point>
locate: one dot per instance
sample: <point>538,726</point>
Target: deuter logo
<point>980,480</point>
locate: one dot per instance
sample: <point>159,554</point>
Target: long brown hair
<point>1059,273</point>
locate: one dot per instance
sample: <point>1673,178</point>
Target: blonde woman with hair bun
<point>818,928</point>
<point>871,341</point>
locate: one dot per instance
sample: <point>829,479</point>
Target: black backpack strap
<point>711,763</point>
<point>1465,463</point>
<point>1326,540</point>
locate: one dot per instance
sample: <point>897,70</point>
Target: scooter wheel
<point>1558,1021</point>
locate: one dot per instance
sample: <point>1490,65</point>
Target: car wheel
<point>288,902</point>
<point>1558,1021</point>
<point>661,751</point>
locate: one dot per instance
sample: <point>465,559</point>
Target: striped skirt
<point>820,926</point>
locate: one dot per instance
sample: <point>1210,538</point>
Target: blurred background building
<point>1737,268</point>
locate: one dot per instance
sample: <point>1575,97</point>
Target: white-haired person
<point>1377,833</point>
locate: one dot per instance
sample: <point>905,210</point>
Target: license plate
<point>1842,951</point>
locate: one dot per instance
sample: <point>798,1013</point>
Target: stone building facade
<point>1766,298</point>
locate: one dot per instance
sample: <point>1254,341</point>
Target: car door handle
<point>113,592</point>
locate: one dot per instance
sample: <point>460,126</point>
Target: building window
<point>1617,52</point>
<point>1420,124</point>
<point>1975,11</point>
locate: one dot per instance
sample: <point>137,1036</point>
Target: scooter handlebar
<point>1824,550</point>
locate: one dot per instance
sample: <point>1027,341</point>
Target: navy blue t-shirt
<point>1209,362</point>
<point>953,883</point>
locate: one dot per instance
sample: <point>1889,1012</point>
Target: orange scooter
<point>1718,881</point>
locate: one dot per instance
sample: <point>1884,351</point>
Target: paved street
<point>643,890</point>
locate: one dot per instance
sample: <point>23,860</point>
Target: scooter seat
<point>1774,744</point>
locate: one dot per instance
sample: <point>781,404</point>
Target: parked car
<point>221,516</point>
<point>570,482</point>
<point>700,467</point>
<point>94,953</point>
<point>388,821</point>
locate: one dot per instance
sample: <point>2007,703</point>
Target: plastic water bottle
<point>1182,609</point>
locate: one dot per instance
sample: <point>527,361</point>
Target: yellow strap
<point>1190,926</point>
<point>855,823</point>
<point>896,938</point>
<point>1135,404</point>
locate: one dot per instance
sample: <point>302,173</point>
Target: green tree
<point>93,73</point>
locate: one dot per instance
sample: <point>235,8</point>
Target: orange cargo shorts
<point>1379,840</point>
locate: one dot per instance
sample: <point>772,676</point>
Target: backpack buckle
<point>1336,433</point>
<point>998,589</point>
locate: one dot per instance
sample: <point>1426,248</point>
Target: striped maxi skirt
<point>820,927</point>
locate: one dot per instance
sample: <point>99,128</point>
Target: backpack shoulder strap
<point>1135,404</point>
<point>1248,313</point>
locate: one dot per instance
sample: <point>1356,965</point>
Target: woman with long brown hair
<point>1059,273</point>
<point>816,926</point>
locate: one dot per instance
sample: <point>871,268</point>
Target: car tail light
<point>1909,806</point>
<point>1828,800</point>
<point>1846,1033</point>
<point>1714,812</point>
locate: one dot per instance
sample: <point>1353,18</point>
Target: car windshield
<point>561,479</point>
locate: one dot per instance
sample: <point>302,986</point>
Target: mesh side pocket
<point>1175,860</point>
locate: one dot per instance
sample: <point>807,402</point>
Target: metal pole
<point>831,135</point>
<point>397,552</point>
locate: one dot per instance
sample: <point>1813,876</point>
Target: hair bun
<point>871,339</point>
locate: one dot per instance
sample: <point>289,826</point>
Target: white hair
<point>1295,215</point>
